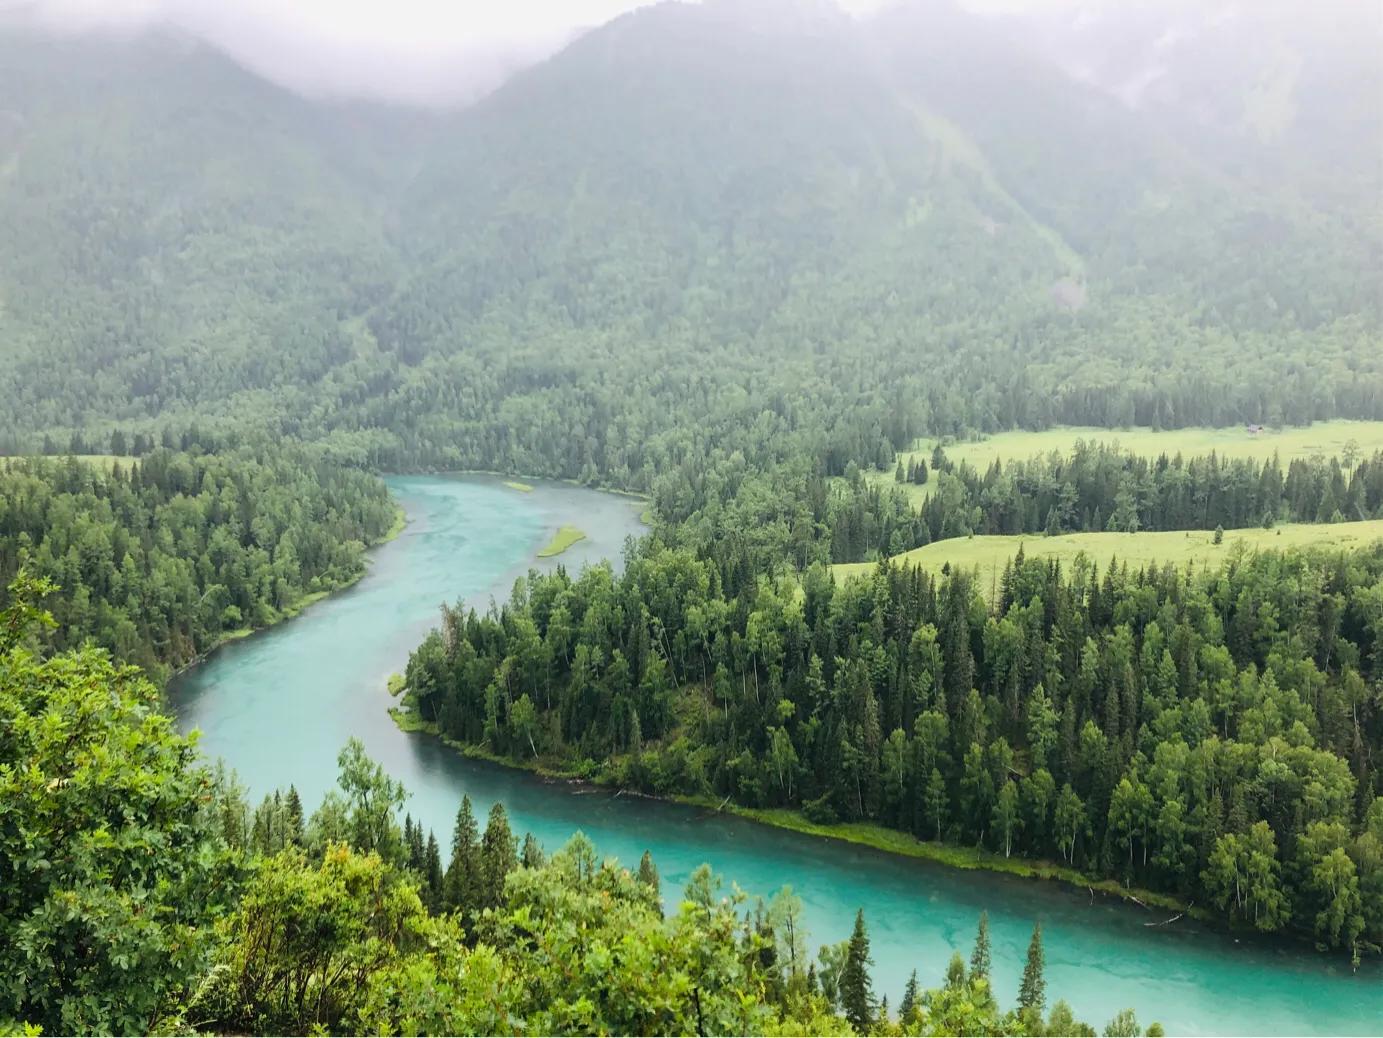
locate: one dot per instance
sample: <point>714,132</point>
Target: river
<point>278,706</point>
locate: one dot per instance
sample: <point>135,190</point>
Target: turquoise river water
<point>277,707</point>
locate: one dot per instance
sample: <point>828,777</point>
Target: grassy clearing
<point>1327,438</point>
<point>104,462</point>
<point>522,488</point>
<point>1180,547</point>
<point>563,539</point>
<point>892,841</point>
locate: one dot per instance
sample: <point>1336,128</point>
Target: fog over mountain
<point>431,52</point>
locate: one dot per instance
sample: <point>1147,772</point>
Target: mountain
<point>701,210</point>
<point>1274,90</point>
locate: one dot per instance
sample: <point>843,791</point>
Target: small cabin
<point>1253,430</point>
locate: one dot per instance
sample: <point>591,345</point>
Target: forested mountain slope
<point>697,217</point>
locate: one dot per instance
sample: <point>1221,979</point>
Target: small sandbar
<point>563,539</point>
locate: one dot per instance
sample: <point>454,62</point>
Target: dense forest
<point>150,898</point>
<point>1211,735</point>
<point>159,558</point>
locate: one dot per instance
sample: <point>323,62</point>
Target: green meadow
<point>1327,438</point>
<point>987,555</point>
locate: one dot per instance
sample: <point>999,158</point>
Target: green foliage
<point>1032,991</point>
<point>159,559</point>
<point>307,940</point>
<point>1202,721</point>
<point>856,991</point>
<point>112,864</point>
<point>979,958</point>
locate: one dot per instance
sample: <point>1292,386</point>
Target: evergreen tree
<point>462,882</point>
<point>294,808</point>
<point>1032,992</point>
<point>532,856</point>
<point>979,958</point>
<point>432,874</point>
<point>498,857</point>
<point>910,1004</point>
<point>648,874</point>
<point>856,990</point>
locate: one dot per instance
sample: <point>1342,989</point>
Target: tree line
<point>1201,733</point>
<point>1100,487</point>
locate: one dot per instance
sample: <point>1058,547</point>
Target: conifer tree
<point>909,1005</point>
<point>1032,992</point>
<point>432,873</point>
<point>462,882</point>
<point>295,816</point>
<point>498,857</point>
<point>980,957</point>
<point>856,990</point>
<point>648,873</point>
<point>532,856</point>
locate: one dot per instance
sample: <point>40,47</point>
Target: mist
<point>439,53</point>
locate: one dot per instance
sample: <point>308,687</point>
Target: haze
<point>439,52</point>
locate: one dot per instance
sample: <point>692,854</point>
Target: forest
<point>1211,735</point>
<point>205,914</point>
<point>161,557</point>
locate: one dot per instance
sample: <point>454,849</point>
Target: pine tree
<point>499,856</point>
<point>979,958</point>
<point>856,991</point>
<point>899,475</point>
<point>532,856</point>
<point>461,885</point>
<point>648,873</point>
<point>413,844</point>
<point>432,873</point>
<point>1032,992</point>
<point>910,1004</point>
<point>295,817</point>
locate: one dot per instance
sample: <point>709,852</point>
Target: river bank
<point>866,834</point>
<point>299,604</point>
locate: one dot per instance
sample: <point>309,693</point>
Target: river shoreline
<point>876,837</point>
<point>297,608</point>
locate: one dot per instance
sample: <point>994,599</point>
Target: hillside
<point>904,225</point>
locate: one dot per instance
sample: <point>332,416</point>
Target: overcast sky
<point>405,50</point>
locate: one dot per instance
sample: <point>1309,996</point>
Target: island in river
<point>278,706</point>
